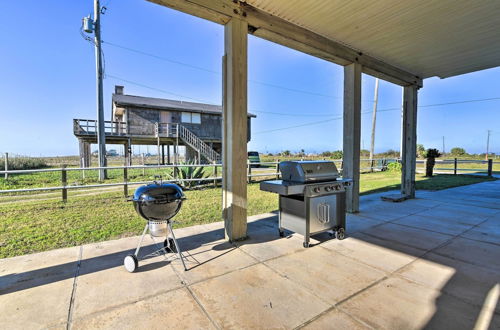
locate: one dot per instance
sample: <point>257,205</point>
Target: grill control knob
<point>316,190</point>
<point>328,188</point>
<point>337,187</point>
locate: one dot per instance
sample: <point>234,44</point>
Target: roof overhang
<point>398,41</point>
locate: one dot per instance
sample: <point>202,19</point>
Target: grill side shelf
<point>282,188</point>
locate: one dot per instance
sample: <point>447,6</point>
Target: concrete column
<point>352,133</point>
<point>409,141</point>
<point>234,145</point>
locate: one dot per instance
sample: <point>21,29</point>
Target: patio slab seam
<point>401,217</point>
<point>117,307</point>
<point>198,302</point>
<point>329,310</point>
<point>74,289</point>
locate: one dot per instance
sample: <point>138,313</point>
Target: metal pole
<point>374,122</point>
<point>101,136</point>
<point>6,176</point>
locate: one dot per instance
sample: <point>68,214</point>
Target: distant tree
<point>337,154</point>
<point>420,150</point>
<point>326,154</point>
<point>458,151</point>
<point>286,153</point>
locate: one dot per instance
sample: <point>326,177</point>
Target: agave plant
<point>189,173</point>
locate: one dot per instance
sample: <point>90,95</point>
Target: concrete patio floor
<point>432,262</point>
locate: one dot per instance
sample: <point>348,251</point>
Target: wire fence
<point>66,179</point>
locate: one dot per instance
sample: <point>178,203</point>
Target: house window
<point>192,118</point>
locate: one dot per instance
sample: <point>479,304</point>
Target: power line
<point>287,114</point>
<point>218,72</point>
<point>205,101</point>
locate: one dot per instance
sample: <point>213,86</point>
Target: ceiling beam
<point>277,30</point>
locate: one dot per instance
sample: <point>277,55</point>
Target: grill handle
<point>324,212</point>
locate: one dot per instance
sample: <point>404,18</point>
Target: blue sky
<point>48,78</point>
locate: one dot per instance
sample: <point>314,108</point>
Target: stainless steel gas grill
<point>158,203</point>
<point>311,198</point>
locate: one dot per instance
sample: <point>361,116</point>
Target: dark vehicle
<point>253,157</point>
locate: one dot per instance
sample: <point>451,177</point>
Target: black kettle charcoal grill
<point>311,198</point>
<point>158,203</point>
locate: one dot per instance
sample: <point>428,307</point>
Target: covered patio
<point>400,42</point>
<point>430,262</point>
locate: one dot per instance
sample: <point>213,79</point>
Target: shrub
<point>458,151</point>
<point>394,167</point>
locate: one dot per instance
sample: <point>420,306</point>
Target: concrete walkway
<point>432,262</point>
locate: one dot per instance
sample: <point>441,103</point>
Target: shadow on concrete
<point>22,281</point>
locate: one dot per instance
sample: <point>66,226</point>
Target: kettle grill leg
<point>131,262</point>
<point>140,242</point>
<point>176,245</point>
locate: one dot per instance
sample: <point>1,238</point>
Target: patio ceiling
<point>428,38</point>
<point>399,41</point>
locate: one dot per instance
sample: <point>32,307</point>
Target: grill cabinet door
<point>322,212</point>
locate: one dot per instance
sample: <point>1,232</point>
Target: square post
<point>409,141</point>
<point>234,141</point>
<point>352,133</point>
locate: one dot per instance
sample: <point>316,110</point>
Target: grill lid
<point>158,201</point>
<point>308,171</point>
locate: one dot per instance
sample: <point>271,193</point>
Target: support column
<point>128,153</point>
<point>84,153</point>
<point>168,154</point>
<point>409,141</point>
<point>352,133</point>
<point>234,146</point>
<point>163,154</point>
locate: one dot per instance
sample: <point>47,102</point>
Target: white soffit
<point>425,37</point>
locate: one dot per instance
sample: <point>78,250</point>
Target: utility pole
<point>488,145</point>
<point>101,136</point>
<point>94,26</point>
<point>374,120</point>
<point>444,150</point>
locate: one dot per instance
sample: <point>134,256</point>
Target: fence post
<point>215,175</point>
<point>277,169</point>
<point>371,165</point>
<point>125,182</point>
<point>490,167</point>
<point>64,182</point>
<point>455,166</point>
<point>249,172</point>
<point>6,165</point>
<point>143,169</point>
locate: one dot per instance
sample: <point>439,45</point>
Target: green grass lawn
<point>28,227</point>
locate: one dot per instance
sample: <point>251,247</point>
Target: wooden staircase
<point>192,140</point>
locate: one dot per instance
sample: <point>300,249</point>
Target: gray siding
<point>141,122</point>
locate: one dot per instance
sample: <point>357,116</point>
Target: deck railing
<point>89,127</point>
